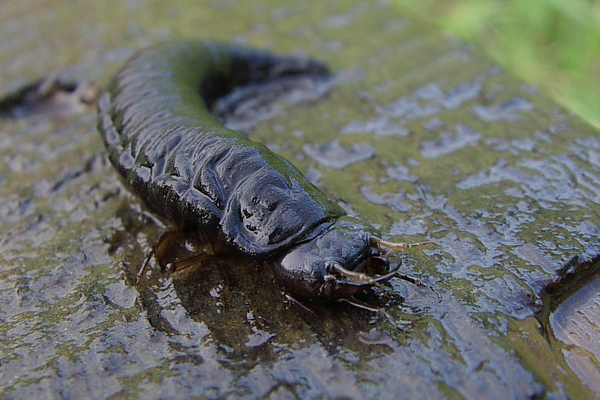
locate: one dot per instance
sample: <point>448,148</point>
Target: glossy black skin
<point>188,169</point>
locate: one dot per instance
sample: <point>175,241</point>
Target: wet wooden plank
<point>504,180</point>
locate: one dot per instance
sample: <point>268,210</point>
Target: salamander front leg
<point>181,265</point>
<point>164,243</point>
<point>163,249</point>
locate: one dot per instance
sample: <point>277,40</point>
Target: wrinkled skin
<point>176,156</point>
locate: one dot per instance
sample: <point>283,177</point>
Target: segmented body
<point>184,164</point>
<point>172,152</point>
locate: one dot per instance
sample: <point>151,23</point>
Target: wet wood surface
<point>422,136</point>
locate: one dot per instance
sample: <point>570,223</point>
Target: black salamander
<point>194,173</point>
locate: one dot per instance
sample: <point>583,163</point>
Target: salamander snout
<point>335,264</point>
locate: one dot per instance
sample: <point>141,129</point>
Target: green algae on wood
<point>508,205</point>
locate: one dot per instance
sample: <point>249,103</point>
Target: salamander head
<point>334,264</point>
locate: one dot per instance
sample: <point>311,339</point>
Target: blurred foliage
<point>554,44</point>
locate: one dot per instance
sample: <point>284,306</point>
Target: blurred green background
<point>554,44</point>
